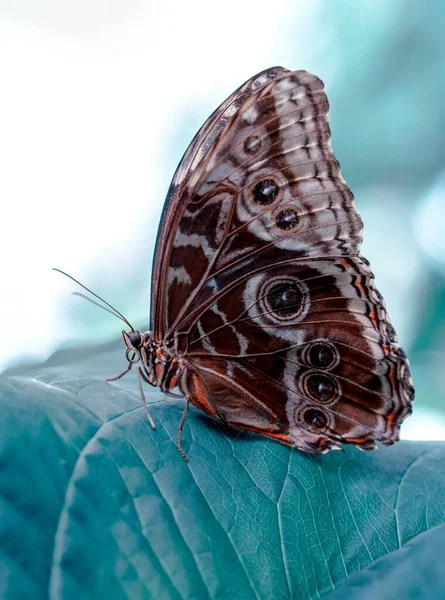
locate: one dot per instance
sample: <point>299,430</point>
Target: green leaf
<point>95,504</point>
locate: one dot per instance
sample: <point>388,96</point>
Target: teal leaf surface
<point>95,504</point>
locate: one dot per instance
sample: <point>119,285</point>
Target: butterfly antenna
<point>115,312</point>
<point>98,305</point>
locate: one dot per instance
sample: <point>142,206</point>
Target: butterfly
<point>263,312</point>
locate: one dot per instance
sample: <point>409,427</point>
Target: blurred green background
<point>101,99</point>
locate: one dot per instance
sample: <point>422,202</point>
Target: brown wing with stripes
<point>262,281</point>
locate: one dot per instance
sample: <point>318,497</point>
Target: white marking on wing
<point>251,114</point>
<point>242,340</point>
<point>205,340</point>
<point>195,241</point>
<point>179,274</point>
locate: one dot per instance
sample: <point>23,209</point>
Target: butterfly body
<point>162,365</point>
<point>264,314</point>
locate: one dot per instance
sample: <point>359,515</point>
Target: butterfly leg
<point>181,425</point>
<point>149,417</point>
<point>120,374</point>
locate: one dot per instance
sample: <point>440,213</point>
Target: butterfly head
<point>140,347</point>
<point>133,340</point>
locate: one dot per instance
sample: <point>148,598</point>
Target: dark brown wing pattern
<point>259,279</point>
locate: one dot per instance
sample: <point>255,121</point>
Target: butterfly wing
<point>260,280</point>
<point>181,192</point>
<point>308,354</point>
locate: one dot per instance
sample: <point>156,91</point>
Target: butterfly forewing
<point>178,197</point>
<point>258,274</point>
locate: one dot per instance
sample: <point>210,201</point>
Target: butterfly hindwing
<point>315,336</point>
